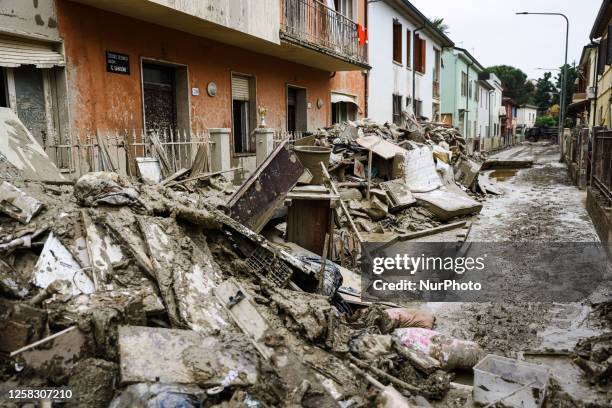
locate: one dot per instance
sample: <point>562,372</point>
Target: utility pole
<point>563,76</point>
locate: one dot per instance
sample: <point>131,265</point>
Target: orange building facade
<point>123,72</point>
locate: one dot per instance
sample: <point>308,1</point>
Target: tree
<point>545,121</point>
<point>515,83</point>
<point>439,23</point>
<point>570,85</point>
<point>544,92</point>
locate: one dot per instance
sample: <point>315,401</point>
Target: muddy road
<point>539,204</point>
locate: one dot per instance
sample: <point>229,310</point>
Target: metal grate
<point>264,264</point>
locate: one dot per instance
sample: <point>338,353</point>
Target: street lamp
<point>563,75</point>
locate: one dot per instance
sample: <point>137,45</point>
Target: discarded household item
<point>263,263</point>
<point>405,317</point>
<point>510,382</point>
<point>17,204</point>
<point>57,263</point>
<point>450,352</point>
<point>263,192</point>
<point>446,204</point>
<point>107,188</point>
<point>310,216</point>
<point>149,354</point>
<point>20,154</point>
<point>156,395</point>
<point>493,164</point>
<point>380,146</point>
<point>310,157</point>
<point>419,170</point>
<point>399,195</point>
<point>149,169</point>
<point>466,171</point>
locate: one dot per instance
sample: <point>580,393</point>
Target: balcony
<point>436,89</point>
<point>313,25</point>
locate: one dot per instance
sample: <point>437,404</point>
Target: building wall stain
<point>102,100</point>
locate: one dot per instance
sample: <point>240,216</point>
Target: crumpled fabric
<point>159,396</point>
<point>107,188</point>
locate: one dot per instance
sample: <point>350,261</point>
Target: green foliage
<point>570,83</point>
<point>440,24</point>
<point>544,92</point>
<point>515,83</point>
<point>545,121</point>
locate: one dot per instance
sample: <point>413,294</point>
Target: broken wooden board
<point>23,152</point>
<point>150,354</point>
<point>493,164</point>
<point>419,170</point>
<point>380,146</point>
<point>56,262</point>
<point>446,204</point>
<point>399,195</point>
<point>17,204</point>
<point>20,325</point>
<point>255,201</point>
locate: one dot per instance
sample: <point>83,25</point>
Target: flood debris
<point>182,289</point>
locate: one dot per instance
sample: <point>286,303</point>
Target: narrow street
<point>538,204</point>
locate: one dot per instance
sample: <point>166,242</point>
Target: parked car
<point>538,133</point>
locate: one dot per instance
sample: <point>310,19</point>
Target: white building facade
<point>405,52</point>
<point>526,116</point>
<point>490,110</point>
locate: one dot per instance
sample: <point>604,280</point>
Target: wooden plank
<point>255,201</point>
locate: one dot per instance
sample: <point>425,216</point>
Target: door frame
<point>254,111</point>
<point>187,110</point>
<point>287,86</point>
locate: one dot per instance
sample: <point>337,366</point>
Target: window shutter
<point>408,47</point>
<point>423,55</point>
<point>397,42</point>
<point>240,88</point>
<point>601,57</point>
<point>609,46</point>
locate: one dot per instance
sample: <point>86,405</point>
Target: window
<point>397,42</point>
<point>243,113</point>
<point>470,90</point>
<point>477,94</point>
<point>397,109</point>
<point>408,48</point>
<point>464,84</point>
<point>419,108</point>
<point>420,54</point>
<point>343,111</point>
<point>344,7</point>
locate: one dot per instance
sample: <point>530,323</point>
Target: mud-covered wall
<point>102,100</point>
<point>33,18</point>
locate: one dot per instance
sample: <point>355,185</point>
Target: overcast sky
<point>491,31</point>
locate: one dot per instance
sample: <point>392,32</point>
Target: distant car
<point>538,133</point>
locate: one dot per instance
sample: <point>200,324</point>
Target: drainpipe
<point>467,100</point>
<point>490,113</point>
<point>593,144</point>
<point>414,69</point>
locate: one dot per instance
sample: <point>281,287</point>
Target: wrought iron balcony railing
<point>312,23</point>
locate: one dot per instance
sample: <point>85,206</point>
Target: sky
<point>494,35</point>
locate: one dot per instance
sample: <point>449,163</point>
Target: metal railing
<point>311,22</point>
<point>117,150</point>
<point>602,162</point>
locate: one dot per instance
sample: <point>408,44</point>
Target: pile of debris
<point>142,294</point>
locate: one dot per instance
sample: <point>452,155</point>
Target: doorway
<point>297,109</point>
<point>159,94</point>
